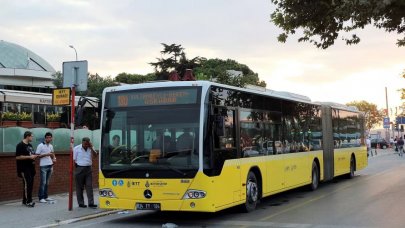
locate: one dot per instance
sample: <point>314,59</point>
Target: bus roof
<point>339,106</point>
<point>262,91</point>
<point>250,89</point>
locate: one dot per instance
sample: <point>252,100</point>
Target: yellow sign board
<point>61,96</point>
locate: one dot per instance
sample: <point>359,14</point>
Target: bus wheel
<point>315,177</point>
<point>350,175</point>
<point>252,192</point>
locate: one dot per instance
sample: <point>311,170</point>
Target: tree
<point>217,69</point>
<point>134,78</point>
<point>95,84</point>
<point>176,60</point>
<point>58,79</point>
<point>402,91</point>
<point>323,20</point>
<point>372,115</point>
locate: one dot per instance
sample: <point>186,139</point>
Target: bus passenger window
<point>224,140</point>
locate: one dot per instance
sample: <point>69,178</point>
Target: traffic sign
<point>386,122</point>
<point>400,120</point>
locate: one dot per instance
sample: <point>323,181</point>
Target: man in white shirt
<point>47,158</point>
<point>368,144</point>
<point>82,155</point>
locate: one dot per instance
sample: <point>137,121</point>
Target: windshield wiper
<point>122,171</point>
<point>137,168</point>
<point>172,169</point>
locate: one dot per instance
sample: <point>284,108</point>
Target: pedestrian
<point>400,144</point>
<point>26,167</point>
<point>395,143</point>
<point>82,156</point>
<point>368,144</point>
<point>47,158</point>
<point>391,142</point>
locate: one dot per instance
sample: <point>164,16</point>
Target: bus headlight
<point>106,192</point>
<point>194,194</point>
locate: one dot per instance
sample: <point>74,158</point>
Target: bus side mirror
<point>109,116</point>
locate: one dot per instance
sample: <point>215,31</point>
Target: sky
<point>126,35</point>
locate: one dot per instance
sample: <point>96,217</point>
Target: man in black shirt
<point>25,157</point>
<point>400,144</point>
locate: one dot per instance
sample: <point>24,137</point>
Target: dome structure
<point>22,67</point>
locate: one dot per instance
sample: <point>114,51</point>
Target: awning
<point>16,96</point>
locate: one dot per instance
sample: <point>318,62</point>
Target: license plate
<point>148,206</point>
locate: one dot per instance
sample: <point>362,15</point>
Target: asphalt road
<point>374,198</point>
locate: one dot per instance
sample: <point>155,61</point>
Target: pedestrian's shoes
<point>32,204</point>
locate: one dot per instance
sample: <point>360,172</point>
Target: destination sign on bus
<point>155,97</point>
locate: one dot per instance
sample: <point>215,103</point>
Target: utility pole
<point>387,131</point>
<point>72,133</point>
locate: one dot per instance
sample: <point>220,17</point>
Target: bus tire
<point>252,192</point>
<point>350,175</point>
<point>314,177</point>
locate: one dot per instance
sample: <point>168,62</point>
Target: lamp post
<point>72,129</point>
<point>71,46</point>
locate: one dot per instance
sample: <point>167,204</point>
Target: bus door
<point>275,163</point>
<point>224,157</point>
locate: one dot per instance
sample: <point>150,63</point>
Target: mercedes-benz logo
<point>147,193</point>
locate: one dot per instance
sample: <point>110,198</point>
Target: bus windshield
<point>141,139</point>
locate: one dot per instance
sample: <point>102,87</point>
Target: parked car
<point>383,144</point>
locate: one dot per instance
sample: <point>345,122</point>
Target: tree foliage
<point>95,84</point>
<point>372,115</point>
<point>134,78</point>
<point>323,20</point>
<point>173,58</point>
<point>402,91</point>
<point>58,79</point>
<point>217,69</point>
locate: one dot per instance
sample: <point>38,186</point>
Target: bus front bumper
<point>195,205</point>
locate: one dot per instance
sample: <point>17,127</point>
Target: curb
<point>87,217</point>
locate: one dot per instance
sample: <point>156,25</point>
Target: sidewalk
<point>382,152</point>
<point>14,214</point>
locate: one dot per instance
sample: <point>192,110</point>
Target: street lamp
<point>72,127</point>
<point>71,46</point>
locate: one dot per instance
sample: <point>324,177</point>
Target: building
<point>22,69</point>
<point>26,81</point>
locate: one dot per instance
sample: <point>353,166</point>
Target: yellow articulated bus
<point>203,146</point>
